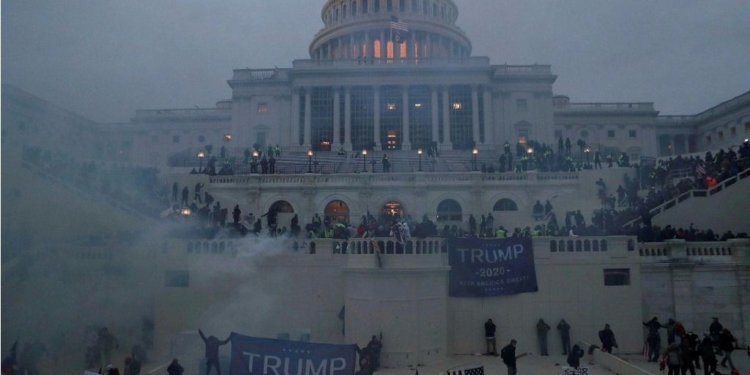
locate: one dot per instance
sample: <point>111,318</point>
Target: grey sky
<point>106,58</point>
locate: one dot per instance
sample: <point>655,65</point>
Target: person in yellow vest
<point>329,232</point>
<point>500,232</point>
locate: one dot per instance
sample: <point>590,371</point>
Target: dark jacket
<point>489,329</point>
<point>508,354</point>
<point>574,357</point>
<point>175,369</point>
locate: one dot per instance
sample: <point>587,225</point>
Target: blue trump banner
<point>491,267</point>
<point>259,356</point>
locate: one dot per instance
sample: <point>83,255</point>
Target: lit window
<point>616,276</point>
<point>521,104</point>
<point>632,133</point>
<point>262,107</point>
<point>457,106</point>
<point>391,106</point>
<point>610,133</point>
<point>175,139</point>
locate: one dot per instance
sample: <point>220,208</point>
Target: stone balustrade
<point>391,178</point>
<point>680,250</point>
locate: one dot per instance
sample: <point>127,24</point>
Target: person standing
<point>197,195</point>
<point>375,346</point>
<point>106,343</point>
<point>727,343</point>
<point>706,351</point>
<point>175,368</point>
<point>489,337</point>
<point>672,357</point>
<point>212,351</point>
<point>564,329</point>
<point>185,193</point>
<point>715,330</point>
<point>574,358</point>
<point>607,337</point>
<point>686,359</point>
<point>175,190</point>
<point>653,339</point>
<point>508,355</point>
<point>541,331</point>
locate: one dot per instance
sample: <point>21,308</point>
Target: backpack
<point>505,354</point>
<point>673,359</point>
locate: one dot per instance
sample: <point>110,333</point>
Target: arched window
<point>393,209</point>
<point>343,12</point>
<point>402,6</point>
<point>377,6</point>
<point>337,212</point>
<point>354,8</point>
<point>282,207</point>
<point>434,10</point>
<point>505,204</point>
<point>449,210</point>
<point>426,7</point>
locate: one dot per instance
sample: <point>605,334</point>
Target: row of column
<point>419,45</point>
<point>406,145</point>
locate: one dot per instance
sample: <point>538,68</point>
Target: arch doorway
<point>505,204</point>
<point>337,212</point>
<point>449,210</point>
<point>392,209</point>
<point>280,213</point>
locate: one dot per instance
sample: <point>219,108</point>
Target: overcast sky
<point>106,58</point>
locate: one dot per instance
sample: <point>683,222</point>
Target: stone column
<point>428,43</point>
<point>376,112</point>
<point>435,116</point>
<point>475,114</point>
<point>348,118</point>
<point>336,141</point>
<point>406,144</point>
<point>447,144</point>
<point>308,116</point>
<point>489,127</point>
<point>368,46</point>
<point>412,46</point>
<point>383,46</point>
<point>294,129</point>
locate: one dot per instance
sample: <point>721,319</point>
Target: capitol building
<point>384,79</point>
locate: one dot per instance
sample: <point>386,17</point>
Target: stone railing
<point>520,70</point>
<point>681,250</point>
<point>544,247</point>
<point>607,107</point>
<point>391,63</point>
<point>349,179</point>
<point>693,194</point>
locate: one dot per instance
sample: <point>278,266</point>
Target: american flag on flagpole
<point>397,24</point>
